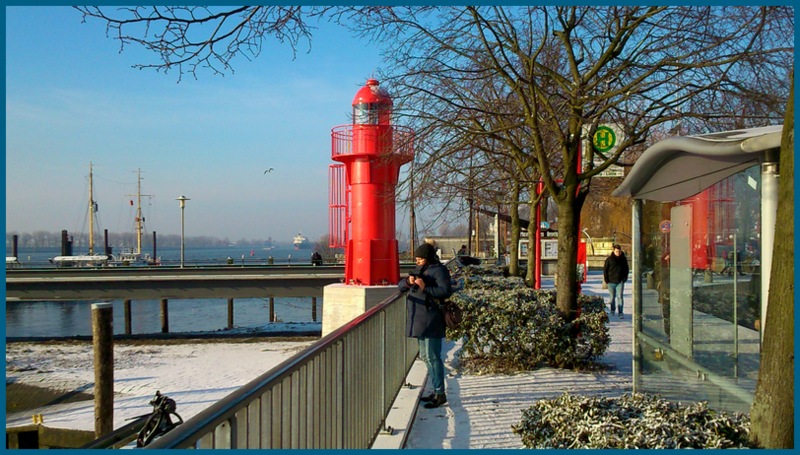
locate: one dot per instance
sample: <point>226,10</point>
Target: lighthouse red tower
<point>370,151</point>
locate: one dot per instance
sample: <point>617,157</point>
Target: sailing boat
<point>90,259</point>
<point>130,256</point>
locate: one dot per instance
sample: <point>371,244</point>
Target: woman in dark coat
<point>429,283</point>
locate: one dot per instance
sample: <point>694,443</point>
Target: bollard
<point>164,316</point>
<point>103,346</point>
<point>313,309</point>
<point>230,314</point>
<point>127,309</point>
<point>272,309</point>
<point>651,282</point>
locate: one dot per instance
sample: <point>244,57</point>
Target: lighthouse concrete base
<point>342,303</point>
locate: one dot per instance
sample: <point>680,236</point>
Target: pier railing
<point>333,395</point>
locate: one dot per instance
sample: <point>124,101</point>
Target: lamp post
<point>183,200</point>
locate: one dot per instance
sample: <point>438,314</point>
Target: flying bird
<point>268,170</point>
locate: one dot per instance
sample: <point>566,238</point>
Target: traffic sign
<point>605,138</point>
<point>665,226</point>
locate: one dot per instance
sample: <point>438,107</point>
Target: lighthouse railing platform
<point>334,395</point>
<point>396,141</point>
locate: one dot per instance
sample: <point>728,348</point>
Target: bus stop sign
<point>604,139</point>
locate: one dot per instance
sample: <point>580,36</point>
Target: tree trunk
<point>772,414</point>
<point>569,209</point>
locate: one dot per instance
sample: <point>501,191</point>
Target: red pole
<point>538,239</point>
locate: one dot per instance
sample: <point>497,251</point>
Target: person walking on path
<point>615,273</point>
<point>427,285</point>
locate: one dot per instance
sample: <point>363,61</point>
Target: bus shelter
<point>703,222</point>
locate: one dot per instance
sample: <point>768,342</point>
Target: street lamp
<point>183,200</point>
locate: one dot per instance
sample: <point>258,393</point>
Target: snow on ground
<point>195,375</point>
<point>479,414</point>
<point>481,409</point>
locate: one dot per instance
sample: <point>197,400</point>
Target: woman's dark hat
<point>425,251</point>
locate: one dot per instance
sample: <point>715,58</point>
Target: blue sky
<point>73,98</point>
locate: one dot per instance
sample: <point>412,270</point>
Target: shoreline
<point>196,337</point>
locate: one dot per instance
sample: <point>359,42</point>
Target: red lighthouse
<point>371,151</point>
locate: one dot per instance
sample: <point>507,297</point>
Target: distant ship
<point>300,242</point>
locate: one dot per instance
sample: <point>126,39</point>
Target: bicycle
<point>159,422</point>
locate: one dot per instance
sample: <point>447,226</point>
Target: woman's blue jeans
<point>430,351</point>
<point>615,290</point>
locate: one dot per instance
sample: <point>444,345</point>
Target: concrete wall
<point>343,303</point>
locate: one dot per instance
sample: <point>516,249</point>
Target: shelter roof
<point>683,166</point>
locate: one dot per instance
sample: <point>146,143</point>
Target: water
<point>73,318</point>
<point>39,257</point>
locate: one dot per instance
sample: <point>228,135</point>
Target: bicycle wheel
<point>149,430</point>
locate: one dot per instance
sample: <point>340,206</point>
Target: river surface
<point>39,257</point>
<point>73,318</point>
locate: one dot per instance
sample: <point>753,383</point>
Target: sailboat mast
<point>91,213</point>
<point>139,212</point>
<point>139,220</point>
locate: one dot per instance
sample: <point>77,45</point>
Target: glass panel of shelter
<point>704,275</point>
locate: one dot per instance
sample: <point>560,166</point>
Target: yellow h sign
<point>604,139</point>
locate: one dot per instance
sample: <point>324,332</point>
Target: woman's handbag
<point>452,314</point>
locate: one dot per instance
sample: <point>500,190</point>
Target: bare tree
<point>563,71</point>
<point>189,38</point>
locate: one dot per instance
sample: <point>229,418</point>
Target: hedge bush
<point>509,327</point>
<point>632,421</point>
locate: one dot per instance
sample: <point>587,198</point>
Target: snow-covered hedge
<point>632,421</point>
<point>509,327</point>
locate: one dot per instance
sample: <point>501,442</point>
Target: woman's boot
<point>438,400</point>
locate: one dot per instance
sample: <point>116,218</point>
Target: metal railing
<point>333,395</point>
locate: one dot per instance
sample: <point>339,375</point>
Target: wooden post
<point>272,309</point>
<point>103,346</point>
<point>127,309</point>
<point>164,316</point>
<point>313,309</point>
<point>230,314</point>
